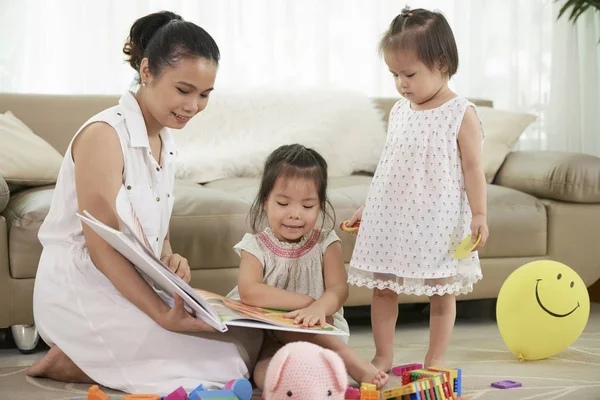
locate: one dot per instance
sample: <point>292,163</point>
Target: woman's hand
<point>179,265</point>
<point>312,315</point>
<point>177,319</point>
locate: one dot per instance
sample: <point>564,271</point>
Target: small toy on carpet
<point>303,370</point>
<point>420,384</point>
<point>236,389</point>
<point>506,384</point>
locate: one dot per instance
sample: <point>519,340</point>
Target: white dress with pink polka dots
<point>417,211</point>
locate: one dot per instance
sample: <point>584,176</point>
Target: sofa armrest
<point>4,194</point>
<point>570,177</point>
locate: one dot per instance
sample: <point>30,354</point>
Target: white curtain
<point>510,52</point>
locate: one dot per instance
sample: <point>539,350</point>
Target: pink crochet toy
<point>303,370</point>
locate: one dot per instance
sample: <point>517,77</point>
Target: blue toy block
<point>458,383</point>
<point>415,396</point>
<point>215,395</point>
<point>200,388</point>
<point>242,388</point>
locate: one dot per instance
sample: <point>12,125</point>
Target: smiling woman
<point>542,309</point>
<point>103,321</point>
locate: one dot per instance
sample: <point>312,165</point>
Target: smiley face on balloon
<point>542,308</point>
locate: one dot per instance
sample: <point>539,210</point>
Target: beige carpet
<point>476,348</point>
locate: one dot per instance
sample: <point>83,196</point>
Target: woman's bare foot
<point>382,363</point>
<point>58,366</point>
<point>367,373</point>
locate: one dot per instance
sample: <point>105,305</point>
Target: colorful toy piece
<point>352,393</point>
<point>236,389</point>
<point>506,384</point>
<point>351,229</point>
<point>368,391</point>
<point>178,394</point>
<point>94,393</point>
<point>399,370</point>
<point>141,397</point>
<point>241,387</point>
<point>425,384</point>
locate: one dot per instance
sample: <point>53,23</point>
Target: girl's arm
<point>256,293</point>
<point>335,276</point>
<point>336,290</point>
<point>469,142</point>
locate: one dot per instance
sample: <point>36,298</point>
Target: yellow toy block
<point>367,386</point>
<point>392,393</point>
<point>452,372</point>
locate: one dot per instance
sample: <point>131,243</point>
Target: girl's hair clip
<point>406,12</point>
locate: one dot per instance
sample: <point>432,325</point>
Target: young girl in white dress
<point>292,264</point>
<point>428,192</point>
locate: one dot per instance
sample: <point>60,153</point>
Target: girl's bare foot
<point>382,363</point>
<point>434,362</point>
<point>58,366</point>
<point>368,373</point>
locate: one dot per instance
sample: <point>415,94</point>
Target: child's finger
<point>291,314</point>
<point>475,234</point>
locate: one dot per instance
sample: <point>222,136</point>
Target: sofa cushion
<point>4,194</point>
<point>26,158</point>
<point>25,213</point>
<point>502,130</point>
<point>517,223</point>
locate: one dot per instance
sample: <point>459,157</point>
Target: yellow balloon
<point>542,309</point>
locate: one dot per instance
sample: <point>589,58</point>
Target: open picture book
<point>217,311</point>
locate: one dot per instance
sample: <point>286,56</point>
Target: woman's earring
<point>144,83</point>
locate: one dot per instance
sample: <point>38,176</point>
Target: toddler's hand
<point>310,316</point>
<point>479,227</point>
<point>357,216</point>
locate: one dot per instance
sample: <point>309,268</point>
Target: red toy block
<point>352,393</point>
<point>399,370</point>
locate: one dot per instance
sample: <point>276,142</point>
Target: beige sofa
<point>541,205</point>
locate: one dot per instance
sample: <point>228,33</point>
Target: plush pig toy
<point>305,371</point>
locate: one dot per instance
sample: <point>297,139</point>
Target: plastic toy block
<point>352,393</point>
<point>199,388</point>
<point>399,370</point>
<point>141,397</point>
<point>458,383</point>
<point>178,394</point>
<point>215,395</point>
<point>242,388</point>
<point>369,395</point>
<point>94,393</point>
<point>452,373</point>
<point>367,386</point>
<point>506,384</point>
